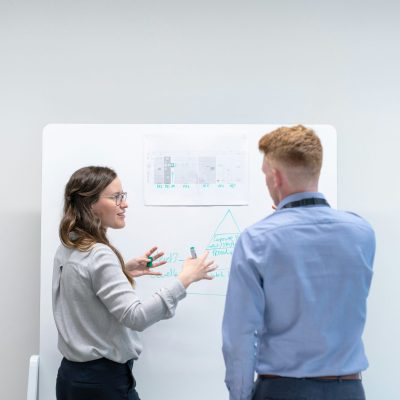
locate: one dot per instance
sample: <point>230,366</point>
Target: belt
<point>350,377</point>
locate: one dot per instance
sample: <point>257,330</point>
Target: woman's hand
<point>196,269</point>
<point>138,266</point>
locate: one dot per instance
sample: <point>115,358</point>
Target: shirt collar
<point>299,196</point>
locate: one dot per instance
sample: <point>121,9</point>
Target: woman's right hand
<point>196,269</point>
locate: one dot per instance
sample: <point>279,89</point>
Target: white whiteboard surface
<point>182,356</point>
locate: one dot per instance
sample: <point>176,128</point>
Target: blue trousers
<point>101,379</point>
<point>307,389</point>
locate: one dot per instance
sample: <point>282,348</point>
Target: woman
<point>96,309</point>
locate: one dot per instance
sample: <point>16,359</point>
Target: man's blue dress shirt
<point>296,300</point>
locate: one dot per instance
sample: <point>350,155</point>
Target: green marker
<point>193,252</point>
<point>150,263</point>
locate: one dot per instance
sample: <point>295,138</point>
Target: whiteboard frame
<point>57,157</point>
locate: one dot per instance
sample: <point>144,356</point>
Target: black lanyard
<point>313,201</point>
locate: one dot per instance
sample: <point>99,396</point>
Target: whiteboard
<point>182,356</point>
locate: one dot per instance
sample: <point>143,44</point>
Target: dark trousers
<point>95,380</point>
<point>307,389</point>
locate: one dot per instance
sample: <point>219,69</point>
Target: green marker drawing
<point>150,263</point>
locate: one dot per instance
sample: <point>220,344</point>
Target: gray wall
<point>219,61</point>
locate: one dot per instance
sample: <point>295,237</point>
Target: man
<point>296,302</point>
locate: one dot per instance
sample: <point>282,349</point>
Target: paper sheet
<point>206,171</point>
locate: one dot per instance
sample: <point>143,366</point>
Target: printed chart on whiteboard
<point>210,171</point>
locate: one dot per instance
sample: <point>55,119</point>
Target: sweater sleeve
<point>116,293</point>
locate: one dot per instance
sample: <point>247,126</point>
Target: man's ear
<point>277,175</point>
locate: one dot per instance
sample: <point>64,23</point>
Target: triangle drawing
<point>225,236</point>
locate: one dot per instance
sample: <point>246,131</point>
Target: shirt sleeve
<point>242,320</point>
<point>116,293</point>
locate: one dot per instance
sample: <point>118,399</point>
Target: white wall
<point>220,61</point>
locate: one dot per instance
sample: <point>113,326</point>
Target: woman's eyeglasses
<point>118,197</point>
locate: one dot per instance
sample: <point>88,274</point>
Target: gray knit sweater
<point>96,310</point>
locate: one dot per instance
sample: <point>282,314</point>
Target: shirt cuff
<point>176,289</point>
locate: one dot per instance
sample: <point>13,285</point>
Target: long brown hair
<point>80,228</point>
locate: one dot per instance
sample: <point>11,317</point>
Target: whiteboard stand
<point>33,378</point>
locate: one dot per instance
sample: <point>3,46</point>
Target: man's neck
<point>285,193</point>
